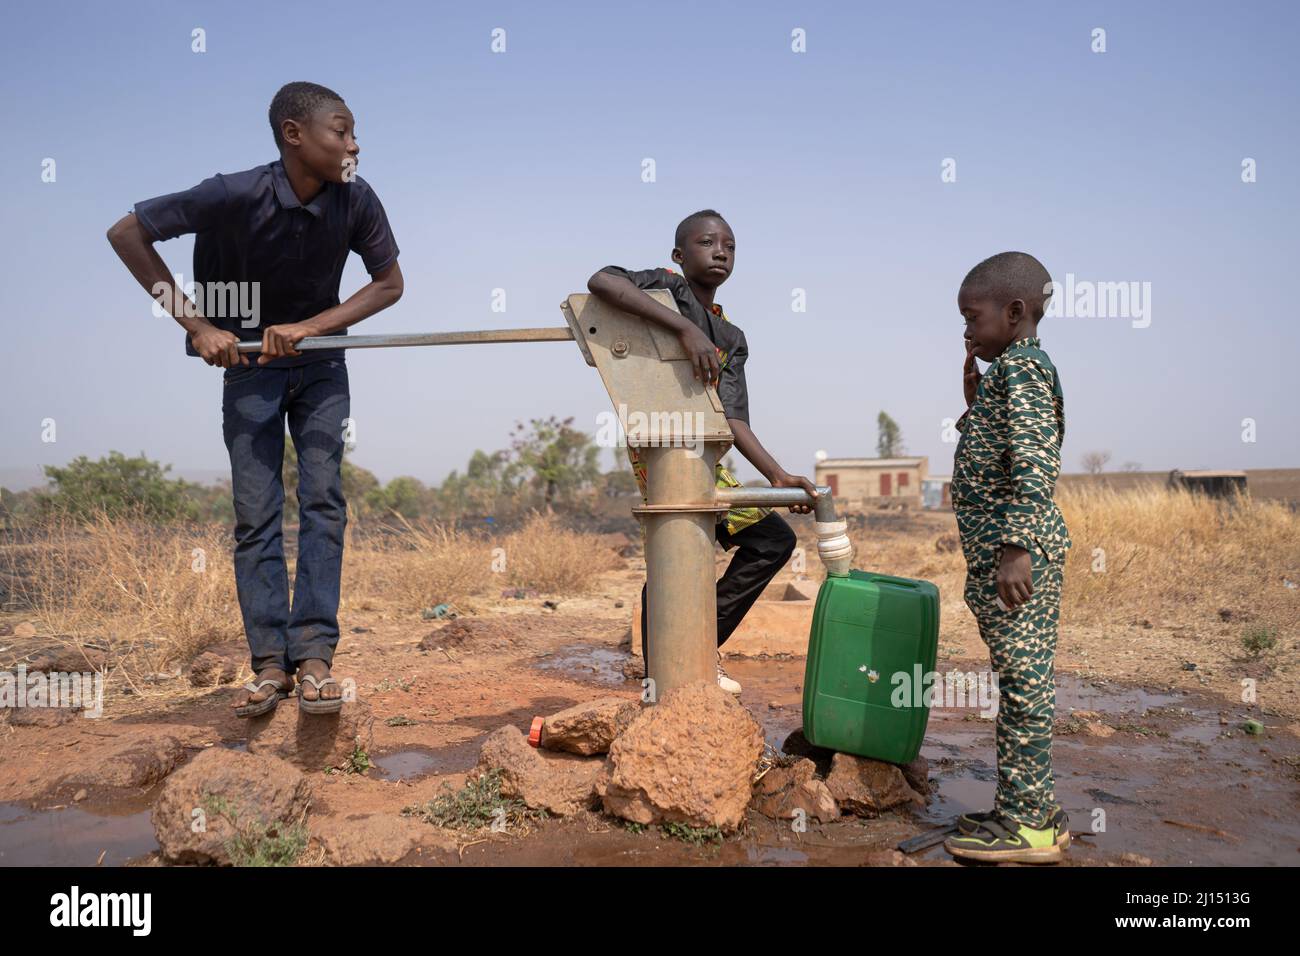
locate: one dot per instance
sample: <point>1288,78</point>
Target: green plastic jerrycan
<point>867,628</point>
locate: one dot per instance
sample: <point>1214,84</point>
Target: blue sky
<point>522,171</point>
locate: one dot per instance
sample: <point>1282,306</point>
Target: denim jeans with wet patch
<point>256,404</point>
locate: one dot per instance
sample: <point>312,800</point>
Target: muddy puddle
<point>71,836</point>
<point>585,662</point>
<point>412,763</point>
<point>1176,781</point>
<point>1169,776</point>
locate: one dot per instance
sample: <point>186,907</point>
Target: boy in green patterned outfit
<point>705,249</point>
<point>1014,541</point>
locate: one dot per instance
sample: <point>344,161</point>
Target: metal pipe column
<point>681,595</point>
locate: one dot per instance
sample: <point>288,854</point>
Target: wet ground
<point>1167,776</point>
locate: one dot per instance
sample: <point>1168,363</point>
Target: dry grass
<point>153,598</point>
<point>423,565</point>
<point>1179,556</point>
<point>428,564</point>
<point>543,554</point>
<point>149,597</point>
<point>1169,556</point>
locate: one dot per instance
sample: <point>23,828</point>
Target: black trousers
<point>762,550</point>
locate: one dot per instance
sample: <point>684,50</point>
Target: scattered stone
<point>688,759</point>
<point>469,631</point>
<point>71,659</point>
<point>232,791</point>
<point>917,775</point>
<point>40,716</point>
<point>633,668</point>
<point>312,742</point>
<point>557,783</point>
<point>79,795</point>
<point>1135,859</point>
<point>130,763</point>
<point>797,745</point>
<point>373,839</point>
<point>25,630</point>
<point>589,728</point>
<point>947,543</point>
<point>1096,729</point>
<point>620,604</point>
<point>868,787</point>
<point>784,791</point>
<point>210,670</point>
<point>550,605</point>
<point>361,630</point>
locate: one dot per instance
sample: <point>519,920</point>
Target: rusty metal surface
<point>647,375</point>
<point>681,596</point>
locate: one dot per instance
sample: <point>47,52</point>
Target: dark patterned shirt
<point>1009,457</point>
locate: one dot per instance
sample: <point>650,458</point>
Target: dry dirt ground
<point>1151,759</point>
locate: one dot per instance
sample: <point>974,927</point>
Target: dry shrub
<point>424,564</point>
<point>545,555</point>
<point>132,588</point>
<point>418,565</point>
<point>141,592</point>
<point>1170,556</point>
<point>1179,555</point>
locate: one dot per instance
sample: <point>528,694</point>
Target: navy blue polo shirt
<point>250,227</point>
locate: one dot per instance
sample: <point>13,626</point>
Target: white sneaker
<point>726,683</point>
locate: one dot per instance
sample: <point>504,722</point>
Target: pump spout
<point>833,545</point>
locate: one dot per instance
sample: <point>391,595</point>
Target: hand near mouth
<point>970,375</point>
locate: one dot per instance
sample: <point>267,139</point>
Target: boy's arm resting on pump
<point>624,290</point>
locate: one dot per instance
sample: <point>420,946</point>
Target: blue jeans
<point>255,404</point>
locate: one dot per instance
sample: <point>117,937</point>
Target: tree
<point>403,495</point>
<point>1094,462</point>
<point>555,459</point>
<point>119,487</point>
<point>889,437</point>
<point>480,489</point>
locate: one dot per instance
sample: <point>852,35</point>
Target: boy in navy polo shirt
<point>277,236</point>
<point>705,248</point>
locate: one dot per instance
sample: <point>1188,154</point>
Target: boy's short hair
<point>298,101</point>
<point>683,227</point>
<point>1009,276</point>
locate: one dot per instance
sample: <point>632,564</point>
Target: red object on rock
<point>535,732</point>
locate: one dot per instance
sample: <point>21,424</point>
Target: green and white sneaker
<point>968,823</point>
<point>1001,840</point>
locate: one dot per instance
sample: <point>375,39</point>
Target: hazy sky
<point>522,171</point>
